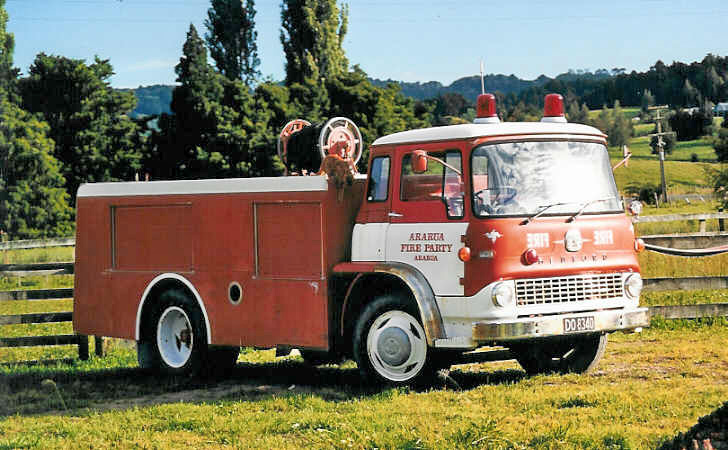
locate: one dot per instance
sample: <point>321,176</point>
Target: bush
<point>720,144</point>
<point>645,193</point>
<point>689,126</point>
<point>694,157</point>
<point>669,143</point>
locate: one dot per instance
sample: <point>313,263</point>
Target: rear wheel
<point>179,343</point>
<point>390,344</point>
<point>559,355</point>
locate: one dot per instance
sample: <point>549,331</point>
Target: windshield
<point>523,178</point>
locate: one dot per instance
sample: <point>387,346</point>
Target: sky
<point>408,40</point>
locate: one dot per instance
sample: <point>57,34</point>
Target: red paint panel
<point>289,238</point>
<point>511,241</point>
<point>153,237</point>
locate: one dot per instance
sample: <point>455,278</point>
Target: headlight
<point>633,285</point>
<point>502,295</point>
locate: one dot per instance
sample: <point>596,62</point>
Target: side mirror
<point>419,161</point>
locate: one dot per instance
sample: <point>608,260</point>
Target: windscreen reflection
<point>523,178</point>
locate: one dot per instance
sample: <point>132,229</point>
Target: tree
<point>578,114</point>
<point>620,128</point>
<point>647,100</point>
<point>720,144</point>
<point>690,125</point>
<point>33,202</point>
<point>231,38</point>
<point>8,74</point>
<point>312,36</point>
<point>690,94</point>
<point>713,84</point>
<point>218,127</point>
<point>89,123</point>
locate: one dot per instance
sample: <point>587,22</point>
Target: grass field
<point>647,388</point>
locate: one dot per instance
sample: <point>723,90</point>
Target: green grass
<point>36,282</point>
<point>648,387</point>
<point>681,177</point>
<point>37,255</point>
<point>683,151</point>
<point>698,297</point>
<point>655,265</point>
<point>629,112</point>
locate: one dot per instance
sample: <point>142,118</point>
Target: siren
<point>553,109</point>
<point>485,109</point>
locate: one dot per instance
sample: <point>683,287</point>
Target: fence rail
<point>701,218</point>
<point>38,243</point>
<point>22,270</point>
<point>36,318</point>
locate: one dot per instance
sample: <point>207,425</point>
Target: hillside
<point>152,100</point>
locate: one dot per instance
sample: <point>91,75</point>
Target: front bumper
<point>543,326</point>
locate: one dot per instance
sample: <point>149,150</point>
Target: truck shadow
<point>78,392</point>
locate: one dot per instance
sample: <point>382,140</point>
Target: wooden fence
<point>21,270</point>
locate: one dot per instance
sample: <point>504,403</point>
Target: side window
<point>438,183</point>
<point>379,179</point>
<point>453,192</point>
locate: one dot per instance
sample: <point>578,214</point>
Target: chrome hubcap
<point>396,346</point>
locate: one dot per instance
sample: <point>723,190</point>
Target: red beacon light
<point>485,109</point>
<point>553,109</point>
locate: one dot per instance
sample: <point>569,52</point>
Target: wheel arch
<point>393,277</point>
<point>160,284</point>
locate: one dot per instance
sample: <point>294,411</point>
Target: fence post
<point>99,346</point>
<point>721,222</point>
<point>702,225</point>
<point>82,347</point>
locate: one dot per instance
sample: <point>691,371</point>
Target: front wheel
<point>561,355</point>
<point>390,345</point>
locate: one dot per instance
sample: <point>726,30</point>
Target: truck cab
<point>517,230</point>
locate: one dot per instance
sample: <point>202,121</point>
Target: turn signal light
<point>464,254</point>
<point>530,256</point>
<point>639,245</point>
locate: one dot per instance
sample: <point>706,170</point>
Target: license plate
<point>578,324</point>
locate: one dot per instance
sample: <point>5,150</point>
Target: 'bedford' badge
<point>573,241</point>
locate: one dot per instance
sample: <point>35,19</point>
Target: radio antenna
<point>482,79</point>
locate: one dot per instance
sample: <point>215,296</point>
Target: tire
<point>146,356</point>
<point>558,355</point>
<point>317,358</point>
<point>390,345</point>
<point>179,343</point>
<point>221,360</point>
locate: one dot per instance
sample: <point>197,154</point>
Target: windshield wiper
<point>586,205</point>
<point>543,210</point>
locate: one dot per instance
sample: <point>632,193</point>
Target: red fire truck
<point>459,237</point>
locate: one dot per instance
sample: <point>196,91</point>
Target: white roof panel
<point>472,130</point>
<point>216,186</point>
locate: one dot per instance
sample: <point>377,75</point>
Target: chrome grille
<point>540,291</point>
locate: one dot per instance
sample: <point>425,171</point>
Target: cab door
<point>428,216</point>
<point>370,232</point>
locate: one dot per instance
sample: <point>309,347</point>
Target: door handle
<point>394,214</point>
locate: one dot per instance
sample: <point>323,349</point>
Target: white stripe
<point>218,186</point>
<point>164,276</point>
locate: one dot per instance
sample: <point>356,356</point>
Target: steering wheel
<point>504,196</point>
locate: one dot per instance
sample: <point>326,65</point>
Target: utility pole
<point>661,148</point>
